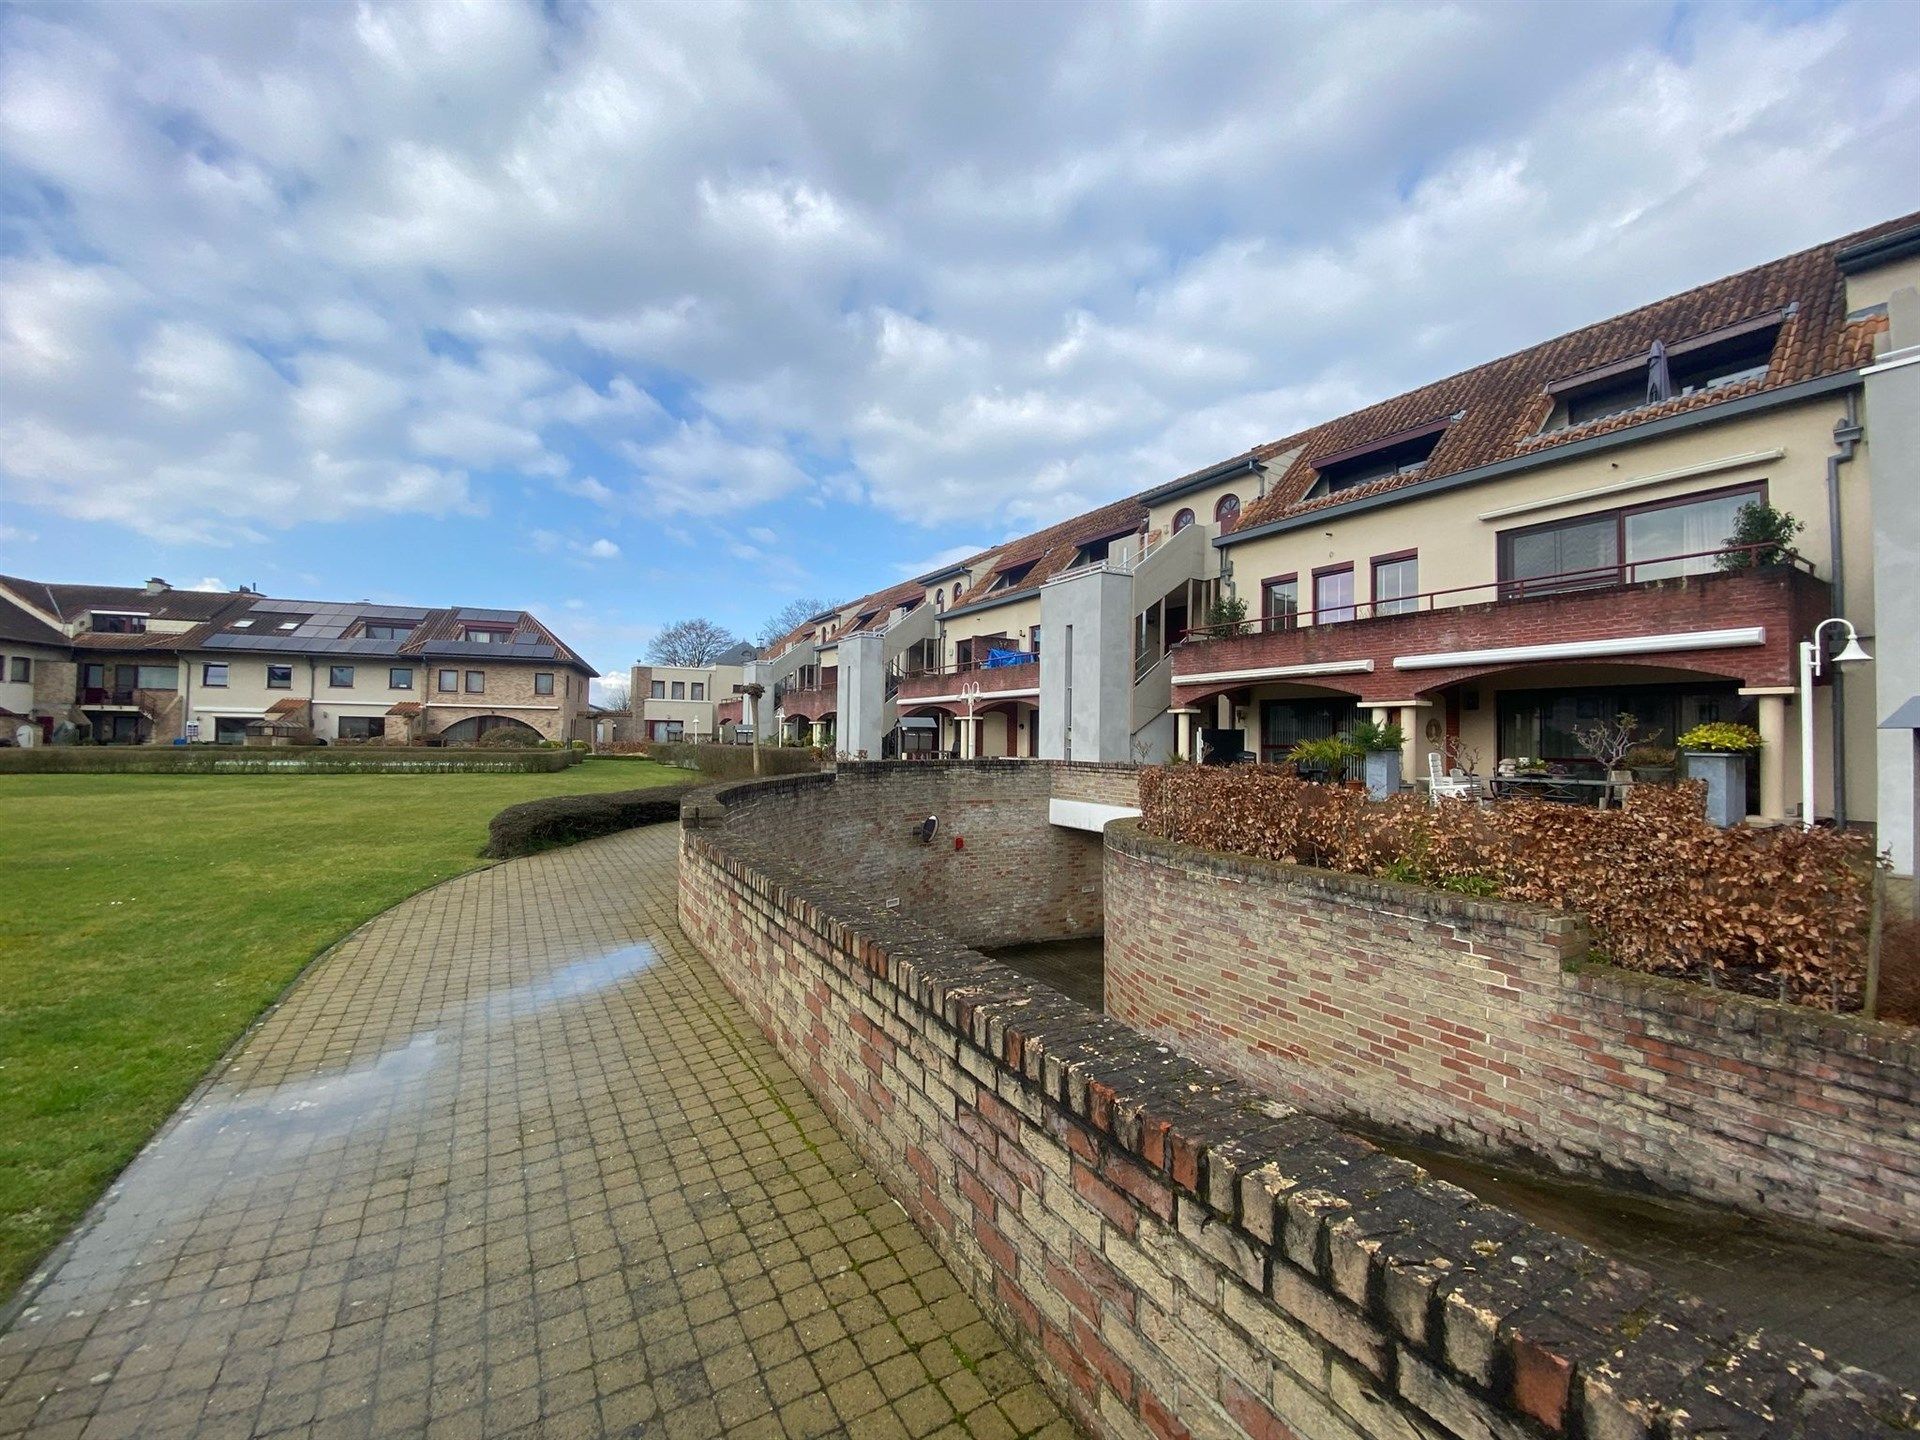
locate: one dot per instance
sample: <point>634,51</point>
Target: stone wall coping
<point>1570,1339</point>
<point>1731,1010</point>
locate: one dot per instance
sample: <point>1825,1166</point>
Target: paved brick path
<point>510,1161</point>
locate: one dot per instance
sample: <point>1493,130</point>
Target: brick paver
<point>510,1161</point>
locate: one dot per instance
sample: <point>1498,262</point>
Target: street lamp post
<point>1813,665</point>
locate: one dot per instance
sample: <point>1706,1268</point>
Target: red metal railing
<point>913,672</point>
<point>1568,582</point>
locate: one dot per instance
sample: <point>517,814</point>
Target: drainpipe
<point>1847,433</point>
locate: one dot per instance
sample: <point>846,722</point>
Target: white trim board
<point>1588,649</point>
<point>1660,477</point>
<point>1279,672</point>
<point>907,702</point>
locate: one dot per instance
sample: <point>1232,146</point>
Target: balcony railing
<point>99,695</point>
<point>1568,582</point>
<point>907,671</point>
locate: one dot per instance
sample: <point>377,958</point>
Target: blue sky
<point>629,313</point>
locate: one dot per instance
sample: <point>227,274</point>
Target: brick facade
<point>1459,1020</point>
<point>1178,1254</point>
<point>1786,602</point>
<point>509,692</point>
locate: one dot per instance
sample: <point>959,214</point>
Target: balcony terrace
<point>953,684</point>
<point>1741,622</point>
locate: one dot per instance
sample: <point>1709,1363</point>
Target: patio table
<point>1565,789</point>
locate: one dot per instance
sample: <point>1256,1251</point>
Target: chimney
<point>155,585</point>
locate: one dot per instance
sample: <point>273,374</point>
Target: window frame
<point>333,677</point>
<point>1267,587</point>
<point>1182,518</point>
<point>1221,514</point>
<point>1402,604</point>
<point>207,682</point>
<point>446,682</point>
<point>398,684</point>
<point>699,690</point>
<point>1510,585</point>
<point>376,727</point>
<point>20,669</point>
<point>543,682</point>
<point>678,690</point>
<point>1350,607</point>
<point>656,690</point>
<point>474,682</point>
<point>273,684</point>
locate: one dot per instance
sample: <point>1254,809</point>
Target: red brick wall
<point>1178,1254</point>
<point>1438,1016</point>
<point>1783,601</point>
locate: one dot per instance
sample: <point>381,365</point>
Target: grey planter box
<point>1383,774</point>
<point>1726,781</point>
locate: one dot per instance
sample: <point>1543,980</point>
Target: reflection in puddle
<point>283,1135</point>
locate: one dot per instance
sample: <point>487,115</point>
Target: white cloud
<point>210,583</point>
<point>603,549</point>
<point>679,262</point>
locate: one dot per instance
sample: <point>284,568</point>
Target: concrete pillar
<point>1413,758</point>
<point>862,696</point>
<point>1773,758</point>
<point>1086,668</point>
<point>1892,417</point>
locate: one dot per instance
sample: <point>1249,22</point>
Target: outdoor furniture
<point>1561,789</point>
<point>1455,783</point>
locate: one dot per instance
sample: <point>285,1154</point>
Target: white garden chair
<point>1453,784</point>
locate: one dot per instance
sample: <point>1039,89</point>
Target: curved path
<point>509,1160</point>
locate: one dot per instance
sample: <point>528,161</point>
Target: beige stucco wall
<point>1457,536</point>
<point>1015,619</point>
<point>1875,286</point>
<point>48,689</point>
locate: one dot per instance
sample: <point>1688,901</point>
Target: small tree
<point>1228,610</point>
<point>1761,535</point>
<point>615,694</point>
<point>1608,742</point>
<point>689,642</point>
<point>789,617</point>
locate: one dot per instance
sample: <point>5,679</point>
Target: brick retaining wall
<point>1444,1017</point>
<point>1178,1253</point>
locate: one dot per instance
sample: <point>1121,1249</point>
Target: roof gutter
<point>992,602</point>
<point>1554,455</point>
<point>1246,464</point>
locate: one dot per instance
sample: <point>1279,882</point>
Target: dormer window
<point>487,634</point>
<point>1401,454</point>
<point>117,622</point>
<point>387,629</point>
<point>1732,355</point>
<point>1014,574</point>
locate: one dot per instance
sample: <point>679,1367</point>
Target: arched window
<point>940,598</point>
<point>1227,510</point>
<point>958,586</point>
<point>1182,520</point>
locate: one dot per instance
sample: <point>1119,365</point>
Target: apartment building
<point>152,664</point>
<point>681,702</point>
<point>1491,560</point>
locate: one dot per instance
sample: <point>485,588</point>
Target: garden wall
<point>234,760</point>
<point>1439,1016</point>
<point>1177,1253</point>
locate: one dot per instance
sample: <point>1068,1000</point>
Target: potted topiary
<point>1717,754</point>
<point>1652,764</point>
<point>1381,745</point>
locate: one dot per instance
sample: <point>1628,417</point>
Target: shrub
<point>1721,737</point>
<point>557,820</point>
<point>1663,890</point>
<point>731,762</point>
<point>1761,535</point>
<point>1370,737</point>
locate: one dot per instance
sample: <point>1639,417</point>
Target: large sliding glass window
<point>1641,542</point>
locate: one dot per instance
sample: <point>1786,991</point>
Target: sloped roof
<point>69,602</point>
<point>1051,551</point>
<point>24,628</point>
<point>1495,411</point>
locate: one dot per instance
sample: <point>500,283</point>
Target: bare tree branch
<point>689,642</point>
<point>789,616</point>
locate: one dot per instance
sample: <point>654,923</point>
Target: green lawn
<point>149,918</point>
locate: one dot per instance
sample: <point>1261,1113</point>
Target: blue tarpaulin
<point>996,659</point>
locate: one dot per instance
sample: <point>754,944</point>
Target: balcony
<point>810,702</point>
<point>933,684</point>
<point>100,695</point>
<point>1741,624</point>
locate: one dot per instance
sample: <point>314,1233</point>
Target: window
<point>958,586</point>
<point>1227,509</point>
<point>156,677</point>
<point>448,682</point>
<point>1033,639</point>
<point>214,676</point>
<point>487,634</point>
<point>246,624</point>
<point>1280,602</point>
<point>1396,580</point>
<point>699,689</point>
<point>279,677</point>
<point>108,623</point>
<point>476,682</point>
<point>940,598</point>
<point>543,683</point>
<point>679,689</point>
<point>1659,541</point>
<point>400,677</point>
<point>387,629</point>
<point>657,690</point>
<point>340,677</point>
<point>1401,454</point>
<point>1728,356</point>
<point>1333,595</point>
<point>20,670</point>
<point>362,727</point>
<point>1012,575</point>
<point>288,625</point>
<point>1182,520</point>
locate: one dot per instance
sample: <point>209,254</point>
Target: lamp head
<point>1851,652</point>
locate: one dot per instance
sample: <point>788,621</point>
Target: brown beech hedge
<point>1662,889</point>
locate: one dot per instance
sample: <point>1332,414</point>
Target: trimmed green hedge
<point>557,820</point>
<point>733,762</point>
<point>275,760</point>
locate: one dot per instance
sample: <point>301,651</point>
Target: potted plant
<point>1322,760</point>
<point>1381,745</point>
<point>1717,753</point>
<point>1761,536</point>
<point>1652,764</point>
<point>1608,743</point>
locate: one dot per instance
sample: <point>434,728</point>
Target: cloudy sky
<point>629,312</point>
